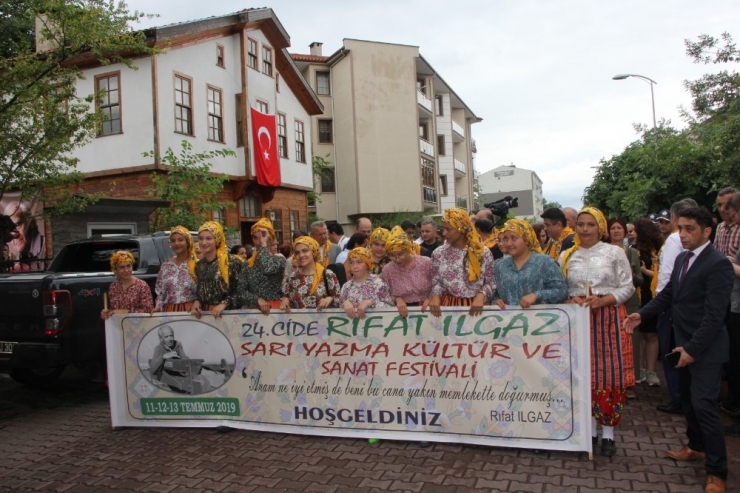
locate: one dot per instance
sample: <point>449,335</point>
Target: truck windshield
<point>92,256</point>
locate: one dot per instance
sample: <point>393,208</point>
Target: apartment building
<point>199,89</point>
<point>397,136</point>
<point>517,182</point>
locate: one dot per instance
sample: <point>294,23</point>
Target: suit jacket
<point>698,305</point>
<point>333,252</point>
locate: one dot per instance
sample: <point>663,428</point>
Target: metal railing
<point>423,100</point>
<point>426,147</point>
<point>458,128</point>
<point>460,166</point>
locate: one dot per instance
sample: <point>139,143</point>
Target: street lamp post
<point>646,79</point>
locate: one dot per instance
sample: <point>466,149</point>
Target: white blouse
<point>605,266</point>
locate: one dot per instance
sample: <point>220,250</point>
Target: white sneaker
<point>643,376</point>
<point>652,379</point>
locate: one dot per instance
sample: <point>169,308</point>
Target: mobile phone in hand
<point>673,358</point>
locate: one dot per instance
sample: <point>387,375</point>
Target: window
<point>218,215</point>
<point>108,88</point>
<point>424,131</point>
<point>215,115</point>
<point>266,61</point>
<point>277,82</point>
<point>277,225</point>
<point>325,132</point>
<point>441,145</point>
<point>323,86</point>
<point>282,136</point>
<point>183,105</point>
<point>249,206</point>
<point>252,53</point>
<point>263,107</point>
<point>295,223</point>
<point>421,86</point>
<point>327,181</point>
<point>443,185</point>
<point>220,56</point>
<point>239,121</point>
<point>300,146</point>
<point>438,108</point>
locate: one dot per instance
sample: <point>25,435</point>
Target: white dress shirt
<point>668,254</point>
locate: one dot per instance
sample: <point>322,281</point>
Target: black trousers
<point>699,384</point>
<point>732,367</point>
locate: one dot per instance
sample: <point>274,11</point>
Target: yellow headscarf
<point>121,257</point>
<point>603,233</point>
<point>362,254</point>
<point>221,253</point>
<point>265,224</point>
<point>183,231</point>
<point>459,220</point>
<point>398,241</point>
<point>314,246</point>
<point>523,229</point>
<point>379,234</point>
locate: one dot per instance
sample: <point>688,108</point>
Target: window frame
<point>328,170</point>
<point>183,77</point>
<point>441,145</point>
<point>220,116</point>
<point>267,61</point>
<point>295,221</point>
<point>253,60</point>
<point>239,120</point>
<point>277,225</point>
<point>282,124</point>
<point>300,143</point>
<point>443,185</point>
<point>220,56</point>
<point>251,200</point>
<point>263,107</point>
<point>331,130</point>
<point>326,73</point>
<point>99,107</point>
<point>439,109</point>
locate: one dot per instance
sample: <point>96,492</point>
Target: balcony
<point>423,101</point>
<point>430,195</point>
<point>460,168</point>
<point>426,147</point>
<point>458,132</point>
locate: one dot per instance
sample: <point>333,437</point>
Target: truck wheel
<point>37,377</point>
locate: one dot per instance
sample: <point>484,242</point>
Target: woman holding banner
<point>599,277</point>
<point>175,285</point>
<point>261,279</point>
<point>527,277</point>
<point>216,273</point>
<point>408,275</point>
<point>463,267</point>
<point>364,290</point>
<point>127,294</point>
<point>310,285</point>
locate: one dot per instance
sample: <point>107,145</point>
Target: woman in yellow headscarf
<point>309,285</point>
<point>261,279</point>
<point>215,274</point>
<point>377,249</point>
<point>463,267</point>
<point>175,285</point>
<point>408,275</point>
<point>526,277</point>
<point>599,277</point>
<point>364,290</point>
<point>127,294</point>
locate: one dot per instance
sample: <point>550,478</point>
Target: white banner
<point>513,378</point>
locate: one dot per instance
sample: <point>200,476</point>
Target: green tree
<point>321,170</point>
<point>666,164</point>
<point>43,117</point>
<point>190,187</point>
<point>546,204</point>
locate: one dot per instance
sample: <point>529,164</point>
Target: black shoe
<point>608,447</point>
<point>729,409</point>
<point>671,408</point>
<point>732,431</point>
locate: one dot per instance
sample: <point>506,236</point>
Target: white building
<point>517,182</point>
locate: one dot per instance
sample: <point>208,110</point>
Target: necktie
<point>685,266</point>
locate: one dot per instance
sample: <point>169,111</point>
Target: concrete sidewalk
<point>66,444</point>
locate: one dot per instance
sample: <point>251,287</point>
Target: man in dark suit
<point>698,294</point>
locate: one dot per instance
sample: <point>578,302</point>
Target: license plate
<point>6,347</point>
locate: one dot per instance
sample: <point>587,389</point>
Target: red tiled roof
<point>308,58</point>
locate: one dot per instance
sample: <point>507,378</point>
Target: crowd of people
<point>630,276</point>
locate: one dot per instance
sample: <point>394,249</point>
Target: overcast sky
<point>537,72</point>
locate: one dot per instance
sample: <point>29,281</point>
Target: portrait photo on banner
<point>28,241</point>
<point>186,357</point>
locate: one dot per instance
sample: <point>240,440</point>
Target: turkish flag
<point>264,137</point>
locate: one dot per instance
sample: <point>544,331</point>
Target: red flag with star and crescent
<point>265,143</point>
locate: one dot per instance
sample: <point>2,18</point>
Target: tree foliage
<point>546,204</point>
<point>43,118</point>
<point>190,187</point>
<point>666,164</point>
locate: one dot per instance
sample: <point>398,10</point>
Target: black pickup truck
<point>51,319</point>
